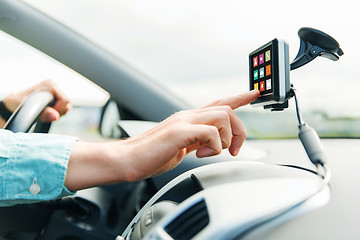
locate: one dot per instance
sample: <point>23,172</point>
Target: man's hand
<point>207,130</point>
<point>50,114</point>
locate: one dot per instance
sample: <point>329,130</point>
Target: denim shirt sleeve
<point>33,166</point>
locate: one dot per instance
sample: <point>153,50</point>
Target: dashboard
<point>339,218</point>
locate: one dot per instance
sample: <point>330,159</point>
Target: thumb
<point>49,115</point>
<point>238,100</point>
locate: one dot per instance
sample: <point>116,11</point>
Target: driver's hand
<point>50,114</point>
<point>206,130</point>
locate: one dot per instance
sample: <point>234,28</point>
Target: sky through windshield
<point>199,49</point>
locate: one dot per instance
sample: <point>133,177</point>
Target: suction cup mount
<point>314,43</point>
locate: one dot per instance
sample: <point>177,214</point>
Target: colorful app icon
<point>262,72</point>
<point>256,75</point>
<point>255,61</point>
<point>268,84</point>
<point>268,70</point>
<point>267,56</point>
<point>262,86</point>
<point>256,86</point>
<point>261,59</point>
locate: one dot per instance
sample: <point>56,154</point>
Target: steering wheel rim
<point>28,113</point>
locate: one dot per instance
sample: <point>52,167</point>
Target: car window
<point>23,66</point>
<point>199,51</point>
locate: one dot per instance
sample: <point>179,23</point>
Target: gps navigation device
<point>269,72</point>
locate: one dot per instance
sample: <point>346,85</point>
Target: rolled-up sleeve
<point>33,166</point>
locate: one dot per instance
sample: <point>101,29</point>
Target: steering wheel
<point>28,113</point>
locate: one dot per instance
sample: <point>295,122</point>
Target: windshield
<point>199,50</point>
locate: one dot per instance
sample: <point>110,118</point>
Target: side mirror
<point>110,117</point>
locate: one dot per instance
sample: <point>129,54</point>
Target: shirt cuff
<point>33,167</point>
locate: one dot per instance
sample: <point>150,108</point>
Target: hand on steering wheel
<point>25,116</point>
<point>33,105</point>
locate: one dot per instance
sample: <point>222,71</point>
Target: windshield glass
<point>199,50</point>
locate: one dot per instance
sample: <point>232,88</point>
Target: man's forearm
<point>95,164</point>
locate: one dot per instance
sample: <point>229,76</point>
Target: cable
<point>326,175</point>
<point>316,154</point>
<point>292,93</point>
<point>312,145</point>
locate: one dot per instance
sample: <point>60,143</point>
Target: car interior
<point>289,186</point>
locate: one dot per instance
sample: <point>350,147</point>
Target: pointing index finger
<point>237,101</point>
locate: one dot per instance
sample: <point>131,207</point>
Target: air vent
<point>189,223</point>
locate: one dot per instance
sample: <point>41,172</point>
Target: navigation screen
<point>261,70</point>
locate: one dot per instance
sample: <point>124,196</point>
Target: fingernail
<point>51,117</point>
<point>68,106</point>
<point>236,152</point>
